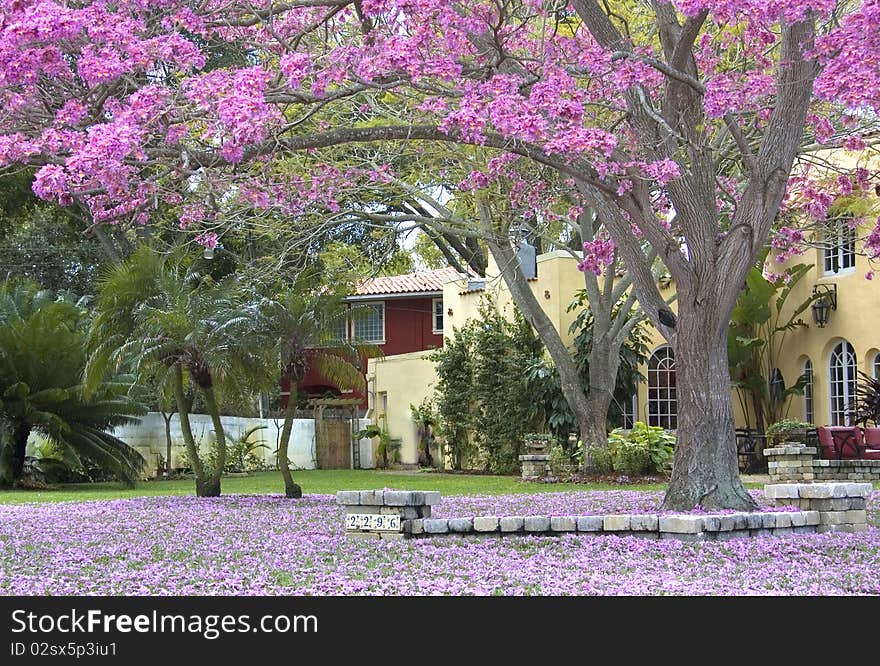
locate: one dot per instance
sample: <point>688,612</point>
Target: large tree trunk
<point>291,489</point>
<point>705,470</point>
<point>203,486</point>
<point>211,487</point>
<point>593,423</point>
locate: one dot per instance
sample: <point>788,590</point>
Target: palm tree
<point>301,331</point>
<point>162,317</point>
<point>42,358</point>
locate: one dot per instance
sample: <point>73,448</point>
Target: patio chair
<point>845,443</point>
<point>746,445</point>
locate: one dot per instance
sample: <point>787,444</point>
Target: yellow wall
<point>557,283</point>
<point>402,380</point>
<point>855,320</point>
<point>409,378</point>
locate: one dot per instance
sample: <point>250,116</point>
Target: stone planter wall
<point>535,466</point>
<point>841,506</point>
<point>407,505</point>
<point>791,463</point>
<point>826,507</point>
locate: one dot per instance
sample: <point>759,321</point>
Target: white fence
<point>148,437</point>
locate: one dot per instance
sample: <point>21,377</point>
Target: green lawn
<point>317,481</point>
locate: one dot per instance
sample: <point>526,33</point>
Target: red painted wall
<point>408,324</point>
<point>408,328</point>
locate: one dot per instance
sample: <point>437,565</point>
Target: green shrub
<point>642,450</point>
<point>632,458</point>
<point>562,465</point>
<point>242,455</point>
<point>600,459</point>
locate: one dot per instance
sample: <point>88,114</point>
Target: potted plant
<point>538,442</point>
<point>388,450</point>
<point>788,431</point>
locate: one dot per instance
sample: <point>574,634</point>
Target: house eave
<point>388,297</point>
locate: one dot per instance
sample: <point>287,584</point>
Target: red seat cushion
<point>872,438</point>
<point>841,442</point>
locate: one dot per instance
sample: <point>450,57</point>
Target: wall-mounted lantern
<point>825,300</point>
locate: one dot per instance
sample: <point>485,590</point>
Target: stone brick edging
<point>684,527</point>
<point>828,507</point>
<point>842,507</point>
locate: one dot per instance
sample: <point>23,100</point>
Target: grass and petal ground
<point>319,482</point>
<point>264,544</point>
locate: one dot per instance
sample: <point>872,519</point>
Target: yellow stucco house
<point>832,353</point>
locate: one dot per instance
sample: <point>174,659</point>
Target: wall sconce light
<point>825,300</point>
<point>449,311</point>
<point>547,293</point>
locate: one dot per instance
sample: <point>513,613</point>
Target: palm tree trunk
<point>6,454</point>
<point>191,449</point>
<point>19,451</point>
<point>211,487</point>
<point>291,489</point>
<point>167,420</point>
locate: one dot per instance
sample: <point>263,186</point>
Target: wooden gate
<point>334,448</point>
<point>333,444</point>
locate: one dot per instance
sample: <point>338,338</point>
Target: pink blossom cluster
<point>102,97</point>
<point>851,69</point>
<point>872,242</point>
<point>789,243</point>
<point>238,99</point>
<point>767,11</point>
<point>598,253</point>
<point>738,92</point>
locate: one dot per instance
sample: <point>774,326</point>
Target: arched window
<point>809,413</point>
<point>662,399</point>
<point>842,384</point>
<point>876,367</point>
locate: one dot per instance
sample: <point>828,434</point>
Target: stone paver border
<point>813,507</point>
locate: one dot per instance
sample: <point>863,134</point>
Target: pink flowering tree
<point>681,124</point>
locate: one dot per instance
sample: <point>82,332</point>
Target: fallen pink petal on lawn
<point>240,545</point>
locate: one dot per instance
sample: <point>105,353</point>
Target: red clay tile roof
<point>409,283</point>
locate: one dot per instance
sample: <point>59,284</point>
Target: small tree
<point>426,420</point>
<point>299,330</point>
<point>486,394</point>
<point>161,316</point>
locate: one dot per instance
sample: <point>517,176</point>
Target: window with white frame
<point>437,318</point>
<point>875,366</point>
<point>839,248</point>
<point>809,412</point>
<point>842,382</point>
<point>662,395</point>
<point>340,327</point>
<point>369,323</point>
